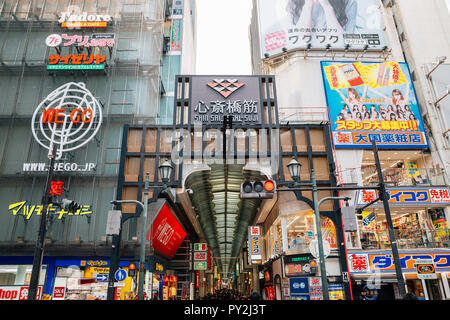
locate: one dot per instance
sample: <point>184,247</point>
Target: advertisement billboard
<point>372,101</point>
<point>294,24</point>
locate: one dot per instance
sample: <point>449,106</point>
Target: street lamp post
<point>294,168</point>
<point>165,172</point>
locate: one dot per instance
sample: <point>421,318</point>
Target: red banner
<point>167,233</point>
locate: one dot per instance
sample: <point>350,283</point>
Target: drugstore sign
<point>384,262</point>
<point>428,196</point>
<point>17,292</point>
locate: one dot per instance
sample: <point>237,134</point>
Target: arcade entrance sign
<point>213,98</point>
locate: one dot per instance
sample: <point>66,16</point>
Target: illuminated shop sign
<point>68,118</point>
<point>78,40</point>
<point>428,196</point>
<point>299,265</point>
<point>84,20</point>
<point>255,245</point>
<point>22,208</point>
<point>384,262</point>
<point>80,61</point>
<point>213,98</point>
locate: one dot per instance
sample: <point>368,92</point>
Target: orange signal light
<point>269,185</point>
<point>132,266</point>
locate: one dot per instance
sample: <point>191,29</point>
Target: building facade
<point>362,68</point>
<point>102,56</point>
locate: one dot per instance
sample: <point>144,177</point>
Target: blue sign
<point>373,101</point>
<point>299,286</point>
<point>102,277</point>
<point>120,275</point>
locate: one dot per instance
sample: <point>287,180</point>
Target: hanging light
<point>294,169</point>
<point>165,171</point>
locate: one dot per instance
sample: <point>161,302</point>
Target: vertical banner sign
<point>255,242</point>
<point>372,101</point>
<point>175,36</point>
<point>294,24</point>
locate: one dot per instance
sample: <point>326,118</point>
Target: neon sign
<point>68,118</point>
<point>29,210</point>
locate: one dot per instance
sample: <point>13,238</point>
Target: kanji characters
<point>77,59</point>
<point>56,188</point>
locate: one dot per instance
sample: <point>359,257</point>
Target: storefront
<point>375,271</point>
<point>87,279</point>
<point>15,274</point>
<point>418,217</point>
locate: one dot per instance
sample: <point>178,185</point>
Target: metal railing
<point>399,177</point>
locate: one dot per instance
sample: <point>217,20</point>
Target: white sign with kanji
<point>358,263</point>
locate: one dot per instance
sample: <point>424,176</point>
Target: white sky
<point>222,37</point>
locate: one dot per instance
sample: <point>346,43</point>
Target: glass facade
<point>128,89</point>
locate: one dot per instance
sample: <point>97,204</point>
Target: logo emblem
<point>226,86</point>
<point>68,118</point>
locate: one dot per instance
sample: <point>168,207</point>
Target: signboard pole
<point>39,249</point>
<point>383,197</point>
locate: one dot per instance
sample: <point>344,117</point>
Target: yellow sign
<point>159,267</point>
<point>376,75</point>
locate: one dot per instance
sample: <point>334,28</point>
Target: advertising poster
<point>372,101</point>
<point>368,221</point>
<point>294,24</point>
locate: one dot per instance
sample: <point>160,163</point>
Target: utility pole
<point>39,248</point>
<point>383,197</point>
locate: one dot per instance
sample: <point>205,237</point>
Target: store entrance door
<point>433,289</point>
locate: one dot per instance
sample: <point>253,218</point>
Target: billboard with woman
<point>293,24</point>
<point>372,101</point>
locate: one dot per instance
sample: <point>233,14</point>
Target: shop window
<point>19,275</point>
<point>301,231</point>
<point>414,229</point>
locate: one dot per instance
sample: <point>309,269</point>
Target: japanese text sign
<point>22,208</point>
<point>384,262</point>
<point>406,196</point>
<point>372,101</point>
<point>78,40</point>
<point>175,39</point>
<point>213,98</point>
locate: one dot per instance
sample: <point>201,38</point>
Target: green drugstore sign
<point>76,67</point>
